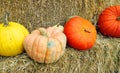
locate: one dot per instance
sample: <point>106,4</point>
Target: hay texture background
<point>104,57</point>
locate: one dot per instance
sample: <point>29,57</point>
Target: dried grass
<point>104,57</point>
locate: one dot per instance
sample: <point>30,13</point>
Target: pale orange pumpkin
<point>46,45</point>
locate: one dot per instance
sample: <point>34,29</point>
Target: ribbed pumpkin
<point>12,35</point>
<point>46,45</point>
<point>109,21</point>
<point>80,33</point>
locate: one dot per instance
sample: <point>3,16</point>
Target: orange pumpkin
<point>109,21</point>
<point>80,33</point>
<point>46,45</point>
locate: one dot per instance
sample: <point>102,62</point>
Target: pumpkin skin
<point>109,21</point>
<point>11,38</point>
<point>80,33</point>
<point>46,45</point>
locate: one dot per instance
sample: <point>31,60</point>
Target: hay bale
<point>104,57</point>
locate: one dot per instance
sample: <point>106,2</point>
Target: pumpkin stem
<point>58,24</point>
<point>42,32</point>
<point>118,18</point>
<point>87,31</point>
<point>60,27</point>
<point>6,18</point>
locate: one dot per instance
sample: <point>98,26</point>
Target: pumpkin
<point>12,35</point>
<point>46,45</point>
<point>80,33</point>
<point>109,21</point>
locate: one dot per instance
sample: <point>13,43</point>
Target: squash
<point>46,45</point>
<point>109,21</point>
<point>80,33</point>
<point>12,35</point>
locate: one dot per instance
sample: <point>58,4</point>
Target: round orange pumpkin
<point>80,33</point>
<point>109,21</point>
<point>46,45</point>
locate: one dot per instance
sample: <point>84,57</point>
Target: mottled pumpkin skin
<point>11,38</point>
<point>45,45</point>
<point>80,33</point>
<point>109,21</point>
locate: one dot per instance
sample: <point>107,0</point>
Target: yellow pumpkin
<point>46,45</point>
<point>12,35</point>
